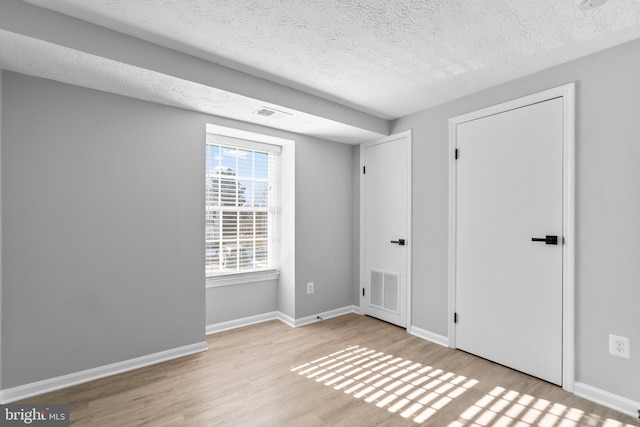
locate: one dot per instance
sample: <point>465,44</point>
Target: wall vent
<point>385,291</point>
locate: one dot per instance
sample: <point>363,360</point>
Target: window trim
<point>241,278</point>
<point>252,141</point>
<point>243,144</point>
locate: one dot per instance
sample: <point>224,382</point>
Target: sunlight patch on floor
<point>416,391</point>
<point>409,389</point>
<point>502,408</point>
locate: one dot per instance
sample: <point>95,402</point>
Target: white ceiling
<point>50,61</point>
<point>387,58</point>
<point>339,69</point>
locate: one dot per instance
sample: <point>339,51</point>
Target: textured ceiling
<point>387,58</point>
<point>50,61</point>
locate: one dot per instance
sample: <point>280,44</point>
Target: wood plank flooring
<point>347,371</point>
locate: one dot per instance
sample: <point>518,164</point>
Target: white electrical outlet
<point>309,288</point>
<point>619,346</point>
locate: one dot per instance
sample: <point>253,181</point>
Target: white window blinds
<point>241,218</point>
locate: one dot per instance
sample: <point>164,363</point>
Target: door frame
<point>567,92</point>
<point>362,282</point>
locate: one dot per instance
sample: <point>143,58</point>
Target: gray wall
<point>1,74</point>
<point>324,253</point>
<point>102,221</point>
<point>233,302</point>
<point>608,208</point>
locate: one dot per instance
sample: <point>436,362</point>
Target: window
<point>241,218</point>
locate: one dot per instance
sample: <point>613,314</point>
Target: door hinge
<point>364,170</point>
<point>455,317</point>
<point>457,154</point>
<point>362,291</point>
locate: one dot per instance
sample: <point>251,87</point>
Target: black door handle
<point>399,242</point>
<point>549,240</point>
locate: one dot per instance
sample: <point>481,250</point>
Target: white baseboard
<point>57,383</point>
<point>429,336</point>
<point>294,323</point>
<point>324,315</point>
<point>286,319</point>
<point>40,387</point>
<point>605,398</point>
<point>239,323</point>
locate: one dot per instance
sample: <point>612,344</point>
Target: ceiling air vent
<point>265,112</point>
<point>271,112</point>
<point>590,4</point>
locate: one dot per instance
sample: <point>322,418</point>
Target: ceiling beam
<point>37,23</point>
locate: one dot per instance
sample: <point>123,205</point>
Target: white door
<point>509,289</point>
<point>385,237</point>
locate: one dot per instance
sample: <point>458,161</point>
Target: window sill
<point>240,278</point>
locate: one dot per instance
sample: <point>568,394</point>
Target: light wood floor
<point>347,371</point>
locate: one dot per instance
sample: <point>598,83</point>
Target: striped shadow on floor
<point>416,391</point>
